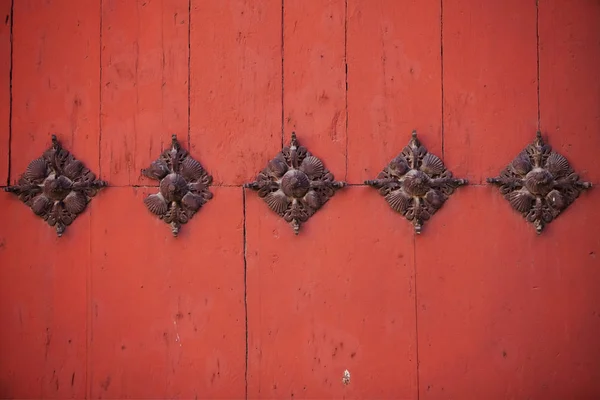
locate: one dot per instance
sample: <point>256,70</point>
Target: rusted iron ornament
<point>539,183</point>
<point>183,187</point>
<point>295,184</point>
<point>57,187</point>
<point>416,183</point>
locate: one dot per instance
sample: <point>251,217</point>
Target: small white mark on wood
<point>346,377</point>
<point>177,338</point>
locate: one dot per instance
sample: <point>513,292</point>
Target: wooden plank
<point>5,64</point>
<point>168,313</point>
<point>394,81</point>
<point>338,296</point>
<point>503,312</point>
<point>43,305</point>
<point>569,85</point>
<point>43,279</point>
<point>55,86</point>
<point>235,98</point>
<point>314,103</point>
<point>470,290</point>
<point>490,84</point>
<point>144,83</point>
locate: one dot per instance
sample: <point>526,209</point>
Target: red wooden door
<point>476,307</point>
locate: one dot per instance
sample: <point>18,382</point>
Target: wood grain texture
<point>490,84</point>
<point>43,278</point>
<point>235,96</point>
<point>55,86</point>
<point>5,93</point>
<point>42,305</point>
<point>569,35</point>
<point>144,84</point>
<point>394,81</point>
<point>338,296</point>
<point>503,312</point>
<point>168,313</point>
<point>477,307</point>
<point>314,71</point>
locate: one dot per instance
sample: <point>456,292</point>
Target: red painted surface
<point>477,307</point>
<point>5,43</point>
<point>235,93</point>
<point>144,74</point>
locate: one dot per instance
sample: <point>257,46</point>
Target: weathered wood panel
<point>489,84</point>
<point>5,92</point>
<point>394,81</point>
<point>313,64</point>
<point>167,313</point>
<point>314,77</point>
<point>43,282</point>
<point>338,296</point>
<point>236,86</point>
<point>504,313</point>
<point>478,306</point>
<point>144,84</point>
<point>569,35</point>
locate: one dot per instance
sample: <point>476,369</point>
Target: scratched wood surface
<point>490,84</point>
<point>569,94</point>
<point>503,313</point>
<point>235,93</point>
<point>394,81</point>
<point>477,307</point>
<point>167,315</point>
<point>292,351</point>
<point>314,77</point>
<point>144,84</point>
<point>5,73</point>
<point>44,282</point>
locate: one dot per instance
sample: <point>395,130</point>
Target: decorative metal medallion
<point>539,183</point>
<point>295,184</point>
<point>183,187</point>
<point>57,187</point>
<point>416,183</point>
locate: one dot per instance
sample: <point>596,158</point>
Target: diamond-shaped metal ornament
<point>295,184</point>
<point>539,183</point>
<point>416,183</point>
<point>57,187</point>
<point>183,187</point>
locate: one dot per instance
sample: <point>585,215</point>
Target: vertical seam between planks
<point>442,70</point>
<point>136,118</point>
<point>245,287</point>
<point>100,94</point>
<point>282,76</point>
<point>89,336</point>
<point>346,76</point>
<point>189,77</point>
<point>537,33</point>
<point>416,313</point>
<point>89,308</point>
<point>162,66</point>
<point>10,92</point>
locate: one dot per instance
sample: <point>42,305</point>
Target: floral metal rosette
<point>183,187</point>
<point>57,187</point>
<point>295,184</point>
<point>539,183</point>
